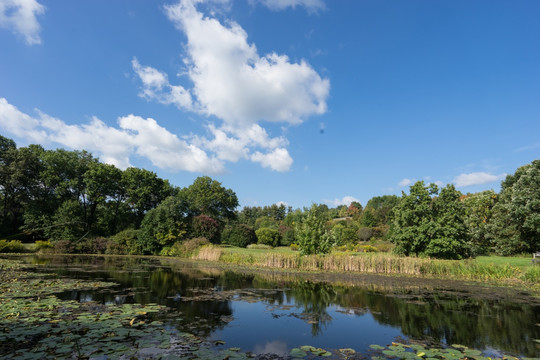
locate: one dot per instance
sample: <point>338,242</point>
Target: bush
<point>287,235</point>
<point>188,248</point>
<point>11,246</point>
<point>64,247</point>
<point>294,247</point>
<point>365,233</point>
<point>365,248</point>
<point>206,227</point>
<point>124,243</point>
<point>268,236</point>
<point>91,246</point>
<point>43,245</point>
<point>239,235</point>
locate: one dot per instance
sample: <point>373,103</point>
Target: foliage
<point>97,245</point>
<point>239,235</point>
<point>287,235</point>
<point>207,197</point>
<point>124,243</point>
<point>164,225</point>
<point>206,227</point>
<point>478,213</point>
<point>365,233</point>
<point>42,245</point>
<point>259,246</point>
<point>311,234</point>
<point>515,224</point>
<point>186,248</point>
<point>430,227</point>
<point>268,236</point>
<point>11,246</point>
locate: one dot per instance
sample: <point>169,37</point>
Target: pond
<point>272,312</point>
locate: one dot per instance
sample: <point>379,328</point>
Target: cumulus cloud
<point>346,200</point>
<point>310,5</point>
<point>231,81</point>
<point>156,86</point>
<point>476,178</point>
<point>20,16</point>
<point>277,160</point>
<point>115,145</point>
<point>234,83</point>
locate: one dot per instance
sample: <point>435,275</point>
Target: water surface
<point>272,311</point>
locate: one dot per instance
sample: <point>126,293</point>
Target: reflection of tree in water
<point>435,315</point>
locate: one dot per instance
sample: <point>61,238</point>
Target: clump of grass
<point>11,246</point>
<point>208,253</point>
<point>373,263</point>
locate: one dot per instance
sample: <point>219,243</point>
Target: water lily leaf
<point>308,348</point>
<point>298,353</point>
<point>376,347</point>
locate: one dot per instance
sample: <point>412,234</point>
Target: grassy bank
<point>512,270</point>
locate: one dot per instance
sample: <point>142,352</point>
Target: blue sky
<point>294,101</point>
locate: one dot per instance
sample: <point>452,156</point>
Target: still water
<point>272,312</point>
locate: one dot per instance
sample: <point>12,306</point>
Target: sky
<point>283,101</point>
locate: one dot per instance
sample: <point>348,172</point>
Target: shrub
<point>294,247</point>
<point>268,236</point>
<point>239,235</point>
<point>123,243</point>
<point>11,246</point>
<point>365,248</point>
<point>287,235</point>
<point>206,227</point>
<point>43,245</point>
<point>64,247</point>
<point>91,246</point>
<point>365,233</point>
<point>186,248</point>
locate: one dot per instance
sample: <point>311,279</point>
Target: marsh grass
<point>374,263</point>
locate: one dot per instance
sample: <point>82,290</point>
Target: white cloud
<point>476,178</point>
<point>156,86</point>
<point>346,200</point>
<point>277,160</point>
<point>405,182</point>
<point>134,136</point>
<point>311,5</point>
<point>19,16</point>
<point>232,82</point>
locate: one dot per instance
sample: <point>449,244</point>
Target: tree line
<point>80,204</point>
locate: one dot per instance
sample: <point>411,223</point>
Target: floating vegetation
<point>35,324</point>
<point>418,352</point>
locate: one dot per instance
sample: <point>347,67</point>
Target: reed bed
<point>371,263</point>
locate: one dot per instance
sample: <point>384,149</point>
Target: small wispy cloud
<point>476,178</point>
<point>405,182</point>
<point>346,200</point>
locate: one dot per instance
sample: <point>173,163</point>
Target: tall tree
<point>424,225</point>
<point>311,233</point>
<point>144,191</point>
<point>207,197</point>
<point>515,224</point>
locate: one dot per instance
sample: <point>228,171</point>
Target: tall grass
<point>372,263</point>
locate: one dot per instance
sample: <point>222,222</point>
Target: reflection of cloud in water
<point>273,347</point>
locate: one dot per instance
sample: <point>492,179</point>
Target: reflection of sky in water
<point>260,328</point>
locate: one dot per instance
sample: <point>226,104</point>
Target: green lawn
<point>517,261</point>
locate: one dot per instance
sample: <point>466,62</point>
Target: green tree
<point>268,236</point>
<point>515,225</point>
<point>207,197</point>
<point>144,191</point>
<point>429,226</point>
<point>164,225</point>
<point>478,213</point>
<point>240,235</point>
<point>311,233</point>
